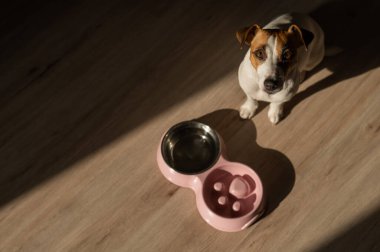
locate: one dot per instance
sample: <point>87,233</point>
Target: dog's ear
<point>304,35</point>
<point>245,35</point>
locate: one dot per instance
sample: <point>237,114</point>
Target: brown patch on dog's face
<point>275,49</point>
<point>258,46</point>
<point>286,47</point>
<point>287,44</point>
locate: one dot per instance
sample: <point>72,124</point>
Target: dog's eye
<point>260,54</point>
<point>286,55</point>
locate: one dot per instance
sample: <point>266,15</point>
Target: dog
<point>279,56</point>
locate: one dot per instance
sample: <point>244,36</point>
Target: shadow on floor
<point>76,75</point>
<point>273,167</point>
<point>361,236</point>
<point>351,25</point>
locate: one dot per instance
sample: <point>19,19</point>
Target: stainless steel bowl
<point>190,147</point>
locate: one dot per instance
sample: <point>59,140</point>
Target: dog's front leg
<point>247,110</point>
<point>275,112</point>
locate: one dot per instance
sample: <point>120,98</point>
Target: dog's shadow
<point>273,167</point>
<point>352,26</point>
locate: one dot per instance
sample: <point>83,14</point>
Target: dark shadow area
<point>76,75</point>
<point>362,236</point>
<point>353,26</point>
<point>274,168</point>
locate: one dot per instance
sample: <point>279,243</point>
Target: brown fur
<point>259,41</point>
<point>286,48</point>
<point>285,39</point>
<point>245,35</point>
<point>282,41</point>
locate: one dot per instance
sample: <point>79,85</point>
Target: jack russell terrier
<point>280,54</point>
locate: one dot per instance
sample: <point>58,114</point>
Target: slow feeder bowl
<point>229,195</point>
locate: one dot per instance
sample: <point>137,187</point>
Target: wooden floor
<point>87,88</point>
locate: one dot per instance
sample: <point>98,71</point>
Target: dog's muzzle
<point>272,86</point>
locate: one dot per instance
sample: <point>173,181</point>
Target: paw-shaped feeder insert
<point>229,195</point>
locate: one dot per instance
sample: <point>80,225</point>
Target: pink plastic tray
<point>229,195</point>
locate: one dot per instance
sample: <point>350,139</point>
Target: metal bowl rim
<point>197,125</point>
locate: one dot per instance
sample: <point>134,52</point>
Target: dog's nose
<point>271,85</point>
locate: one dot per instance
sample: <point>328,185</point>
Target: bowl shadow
<point>273,167</point>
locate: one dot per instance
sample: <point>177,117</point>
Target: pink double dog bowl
<point>229,195</point>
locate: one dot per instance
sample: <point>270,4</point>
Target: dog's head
<point>274,53</point>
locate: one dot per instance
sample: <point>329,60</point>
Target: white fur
<point>252,80</point>
<point>267,69</point>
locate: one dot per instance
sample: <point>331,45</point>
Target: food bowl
<point>229,195</point>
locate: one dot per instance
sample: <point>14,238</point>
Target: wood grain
<point>87,88</point>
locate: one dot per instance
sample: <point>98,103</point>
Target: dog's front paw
<point>247,112</point>
<point>274,117</point>
<point>248,109</point>
<point>275,113</point>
